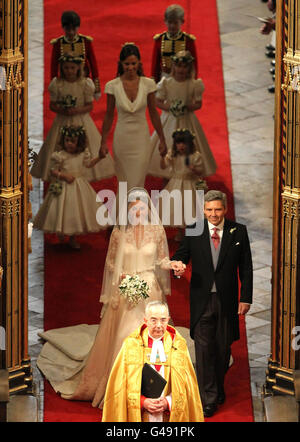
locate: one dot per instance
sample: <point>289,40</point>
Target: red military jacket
<point>81,46</point>
<point>165,47</point>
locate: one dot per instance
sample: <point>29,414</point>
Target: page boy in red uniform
<point>77,45</point>
<point>168,43</point>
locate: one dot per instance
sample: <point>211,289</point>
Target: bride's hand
<point>178,267</point>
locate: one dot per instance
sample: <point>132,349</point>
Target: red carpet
<point>73,279</point>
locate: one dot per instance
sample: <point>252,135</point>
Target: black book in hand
<point>152,382</point>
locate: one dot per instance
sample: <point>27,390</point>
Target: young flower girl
<point>70,205</point>
<point>71,98</point>
<point>186,169</point>
<point>179,96</point>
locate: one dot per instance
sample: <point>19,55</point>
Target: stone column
<point>284,360</point>
<point>14,359</point>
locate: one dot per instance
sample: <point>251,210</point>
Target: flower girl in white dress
<point>70,205</point>
<point>71,98</point>
<point>186,169</point>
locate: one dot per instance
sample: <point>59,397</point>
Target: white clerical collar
<point>157,348</point>
<point>219,226</point>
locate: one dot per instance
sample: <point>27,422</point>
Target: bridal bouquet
<point>134,289</point>
<point>177,108</point>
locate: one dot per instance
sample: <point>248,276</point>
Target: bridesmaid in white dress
<point>139,248</point>
<point>179,96</point>
<point>71,98</point>
<point>131,93</point>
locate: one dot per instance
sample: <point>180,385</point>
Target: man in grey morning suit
<point>220,257</point>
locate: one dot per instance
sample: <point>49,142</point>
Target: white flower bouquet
<point>134,289</point>
<point>68,101</point>
<point>55,187</point>
<point>177,108</point>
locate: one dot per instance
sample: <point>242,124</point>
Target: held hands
<point>268,27</point>
<point>162,148</point>
<point>103,151</point>
<point>178,267</point>
<point>155,405</point>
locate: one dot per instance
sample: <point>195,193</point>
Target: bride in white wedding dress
<point>75,361</point>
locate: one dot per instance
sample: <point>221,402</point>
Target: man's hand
<point>155,405</point>
<point>268,27</point>
<point>243,308</point>
<point>178,267</point>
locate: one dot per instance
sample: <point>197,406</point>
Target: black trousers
<point>212,337</point>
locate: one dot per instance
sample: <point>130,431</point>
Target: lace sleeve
<point>163,263</point>
<point>163,260</point>
<point>112,250</point>
<point>109,290</point>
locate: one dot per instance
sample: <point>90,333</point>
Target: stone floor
<point>250,110</point>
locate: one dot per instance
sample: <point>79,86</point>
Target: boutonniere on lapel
<point>232,230</point>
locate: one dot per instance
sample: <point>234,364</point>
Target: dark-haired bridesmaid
<point>131,93</point>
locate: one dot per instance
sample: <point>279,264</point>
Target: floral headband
<point>71,58</point>
<point>72,131</point>
<point>127,43</point>
<point>183,59</point>
<point>183,131</point>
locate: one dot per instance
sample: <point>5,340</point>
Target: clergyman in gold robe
<point>161,346</point>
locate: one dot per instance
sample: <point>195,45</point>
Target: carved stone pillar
<point>285,355</point>
<point>14,357</point>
